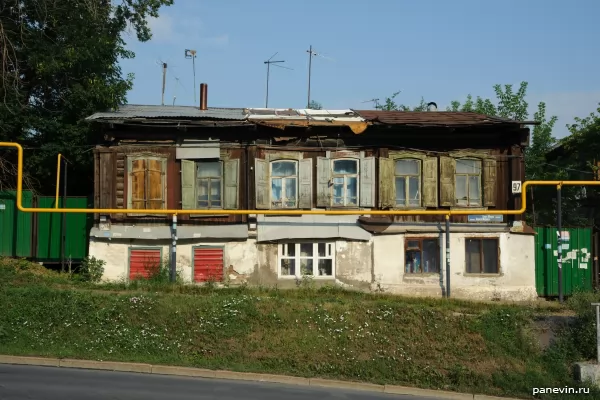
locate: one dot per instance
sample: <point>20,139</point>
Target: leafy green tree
<point>391,105</point>
<point>315,105</point>
<point>59,65</point>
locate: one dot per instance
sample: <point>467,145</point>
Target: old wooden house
<point>162,157</point>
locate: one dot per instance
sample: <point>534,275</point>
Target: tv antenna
<point>375,101</point>
<point>192,54</point>
<point>276,64</point>
<point>311,54</point>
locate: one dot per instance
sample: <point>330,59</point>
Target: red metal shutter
<point>142,262</point>
<point>208,264</point>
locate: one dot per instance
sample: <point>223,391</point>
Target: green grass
<point>328,332</point>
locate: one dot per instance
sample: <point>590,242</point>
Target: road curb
<point>239,376</point>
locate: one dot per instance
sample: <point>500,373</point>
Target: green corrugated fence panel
<point>15,226</point>
<point>576,261</point>
<point>49,230</point>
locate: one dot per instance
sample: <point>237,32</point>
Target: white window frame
<point>329,251</point>
<point>406,182</point>
<point>197,164</point>
<point>283,179</point>
<point>357,176</point>
<point>479,175</point>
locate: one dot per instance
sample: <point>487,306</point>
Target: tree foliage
<point>315,105</point>
<point>59,65</point>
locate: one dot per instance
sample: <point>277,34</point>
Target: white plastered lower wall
<point>516,280</point>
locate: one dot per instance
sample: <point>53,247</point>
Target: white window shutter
<point>305,186</point>
<point>367,182</point>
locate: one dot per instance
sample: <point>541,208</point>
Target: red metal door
<point>142,262</point>
<point>208,264</point>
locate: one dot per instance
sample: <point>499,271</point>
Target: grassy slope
<point>470,347</point>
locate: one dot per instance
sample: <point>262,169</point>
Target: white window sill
<point>483,275</point>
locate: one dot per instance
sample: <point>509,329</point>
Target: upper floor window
<point>345,182</point>
<point>468,182</point>
<point>209,184</point>
<point>408,182</point>
<point>146,182</point>
<point>284,184</point>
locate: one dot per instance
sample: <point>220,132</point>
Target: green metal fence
<point>39,236</point>
<point>15,226</point>
<point>577,261</point>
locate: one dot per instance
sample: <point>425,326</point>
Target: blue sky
<point>436,49</point>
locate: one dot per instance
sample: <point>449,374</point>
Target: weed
<point>91,270</point>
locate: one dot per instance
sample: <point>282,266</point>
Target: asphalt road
<point>32,383</point>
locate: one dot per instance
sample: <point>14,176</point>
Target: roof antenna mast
<point>311,54</point>
<point>275,63</point>
<point>192,54</point>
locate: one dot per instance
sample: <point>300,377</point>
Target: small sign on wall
<point>516,187</point>
<point>2,206</point>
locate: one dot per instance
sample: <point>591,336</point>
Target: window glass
<point>407,167</point>
<point>348,167</point>
<point>209,169</point>
<point>466,166</point>
<point>283,168</point>
<point>490,256</point>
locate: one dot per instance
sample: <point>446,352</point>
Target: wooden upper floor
<point>253,166</point>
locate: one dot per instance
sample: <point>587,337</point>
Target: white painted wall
<point>241,255</point>
<point>378,262</point>
<point>516,280</point>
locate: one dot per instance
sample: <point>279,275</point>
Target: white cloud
<point>566,106</point>
<point>162,28</point>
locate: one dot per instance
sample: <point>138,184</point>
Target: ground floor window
<point>306,259</point>
<point>481,255</point>
<point>422,256</point>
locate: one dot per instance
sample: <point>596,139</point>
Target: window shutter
<point>387,197</point>
<point>489,183</point>
<point>137,173</point>
<point>188,185</point>
<point>156,187</point>
<point>367,182</point>
<point>429,191</point>
<point>231,185</point>
<point>323,182</point>
<point>447,179</point>
<point>305,186</point>
<point>261,184</point>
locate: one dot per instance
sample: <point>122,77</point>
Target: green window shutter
<point>387,195</point>
<point>430,182</point>
<point>231,185</point>
<point>188,185</point>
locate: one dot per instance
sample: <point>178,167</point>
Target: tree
<point>314,105</point>
<point>59,65</point>
<point>391,105</point>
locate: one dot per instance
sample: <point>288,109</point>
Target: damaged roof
<point>435,118</point>
<point>288,117</point>
<point>138,112</point>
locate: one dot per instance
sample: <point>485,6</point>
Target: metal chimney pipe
<point>203,96</point>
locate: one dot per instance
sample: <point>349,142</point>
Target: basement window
<point>422,256</point>
<point>481,256</point>
<point>306,259</point>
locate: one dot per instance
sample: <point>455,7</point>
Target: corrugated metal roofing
<point>284,118</point>
<point>431,118</point>
<point>132,111</point>
<point>308,114</point>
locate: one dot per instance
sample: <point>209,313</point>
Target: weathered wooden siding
<point>111,183</point>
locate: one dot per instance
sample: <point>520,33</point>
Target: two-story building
<point>162,157</point>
